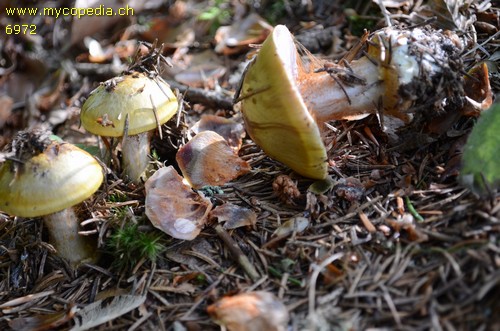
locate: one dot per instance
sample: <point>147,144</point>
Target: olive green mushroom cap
<point>149,102</point>
<point>60,177</point>
<point>275,114</point>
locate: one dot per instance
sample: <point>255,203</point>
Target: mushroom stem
<point>401,67</point>
<point>135,155</point>
<point>329,98</point>
<point>63,227</point>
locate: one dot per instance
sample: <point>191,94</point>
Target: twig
<point>351,214</point>
<point>312,283</point>
<point>366,222</point>
<point>26,298</point>
<point>212,99</point>
<point>237,253</point>
<point>203,295</point>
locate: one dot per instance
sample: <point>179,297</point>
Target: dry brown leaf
<point>202,69</point>
<point>294,224</point>
<point>252,311</point>
<point>228,128</point>
<point>173,207</point>
<point>199,75</point>
<point>233,39</point>
<point>477,90</point>
<point>207,159</point>
<point>233,216</point>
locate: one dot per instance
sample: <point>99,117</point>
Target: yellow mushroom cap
<point>105,111</point>
<point>62,176</point>
<point>275,114</point>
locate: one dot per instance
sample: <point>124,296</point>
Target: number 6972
<point>20,29</point>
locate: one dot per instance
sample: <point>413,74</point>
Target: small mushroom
<point>43,177</point>
<point>284,103</point>
<point>130,106</point>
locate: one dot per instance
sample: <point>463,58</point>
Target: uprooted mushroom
<point>405,74</point>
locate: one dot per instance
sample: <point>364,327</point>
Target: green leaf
<point>481,159</point>
<point>322,185</point>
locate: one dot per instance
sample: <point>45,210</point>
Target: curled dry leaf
<point>297,224</point>
<point>253,311</point>
<point>234,216</point>
<point>228,128</point>
<point>207,159</point>
<point>173,207</point>
<point>200,75</point>
<point>477,90</point>
<point>202,69</point>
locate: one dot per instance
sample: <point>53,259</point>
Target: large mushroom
<point>284,103</point>
<point>131,106</point>
<point>45,177</point>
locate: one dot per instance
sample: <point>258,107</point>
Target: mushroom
<point>44,177</point>
<point>130,106</point>
<point>284,103</point>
